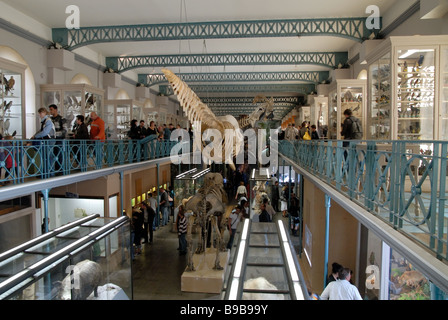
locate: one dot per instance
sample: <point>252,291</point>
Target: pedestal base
<point>205,279</point>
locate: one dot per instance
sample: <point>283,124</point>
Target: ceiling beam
<point>353,28</point>
<point>238,101</point>
<point>248,88</point>
<point>327,59</point>
<point>303,76</point>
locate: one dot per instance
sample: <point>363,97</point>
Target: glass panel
<point>17,263</point>
<point>407,283</point>
<point>333,114</point>
<point>380,78</point>
<point>444,95</point>
<point>123,113</point>
<point>268,279</point>
<point>72,108</point>
<point>51,246</point>
<point>257,239</point>
<point>109,119</point>
<point>351,98</point>
<point>11,104</point>
<point>260,256</point>
<point>370,262</point>
<point>93,103</point>
<point>415,94</point>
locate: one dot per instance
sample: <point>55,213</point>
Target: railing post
<point>329,160</point>
<point>338,169</point>
<point>442,197</point>
<point>395,191</point>
<point>433,215</point>
<point>352,166</point>
<point>370,174</point>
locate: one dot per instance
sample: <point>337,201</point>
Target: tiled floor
<point>158,270</point>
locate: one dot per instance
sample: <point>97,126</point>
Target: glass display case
<point>88,259</point>
<point>444,94</point>
<point>346,94</point>
<point>118,116</point>
<point>408,86</point>
<point>379,114</point>
<point>319,114</point>
<point>304,114</point>
<point>187,183</point>
<point>12,86</point>
<point>73,100</point>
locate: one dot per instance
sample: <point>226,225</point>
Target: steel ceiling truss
<point>327,59</point>
<point>353,28</point>
<point>303,76</point>
<point>248,101</point>
<point>237,106</point>
<point>248,88</point>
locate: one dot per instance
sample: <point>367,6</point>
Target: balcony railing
<point>401,182</point>
<point>22,160</point>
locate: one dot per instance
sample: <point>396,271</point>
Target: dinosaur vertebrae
<point>196,110</point>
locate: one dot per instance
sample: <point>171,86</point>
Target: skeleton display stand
<point>205,278</point>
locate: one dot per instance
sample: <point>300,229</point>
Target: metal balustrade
<point>401,182</point>
<point>43,159</point>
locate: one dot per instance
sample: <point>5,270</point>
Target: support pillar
<point>327,236</point>
<point>45,194</point>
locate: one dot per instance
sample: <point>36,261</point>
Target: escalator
<point>263,265</point>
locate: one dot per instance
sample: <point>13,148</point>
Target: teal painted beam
<point>303,76</point>
<point>249,88</point>
<point>353,28</point>
<point>330,60</point>
<point>241,101</point>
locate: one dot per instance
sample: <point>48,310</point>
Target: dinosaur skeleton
<point>207,205</point>
<point>262,112</point>
<point>197,111</point>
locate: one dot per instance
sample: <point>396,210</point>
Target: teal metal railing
<point>21,160</point>
<point>401,182</point>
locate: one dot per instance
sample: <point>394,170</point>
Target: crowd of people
<point>138,130</point>
<point>55,128</point>
<point>149,216</point>
<point>305,131</point>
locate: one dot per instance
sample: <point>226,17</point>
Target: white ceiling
<point>112,13</point>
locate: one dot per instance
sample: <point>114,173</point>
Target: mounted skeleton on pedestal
<point>207,205</point>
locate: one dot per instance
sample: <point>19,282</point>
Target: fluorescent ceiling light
<point>412,51</point>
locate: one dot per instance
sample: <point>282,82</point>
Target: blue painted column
<point>327,236</point>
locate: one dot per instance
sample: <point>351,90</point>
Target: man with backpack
<point>351,130</point>
<point>60,125</point>
<point>351,127</point>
